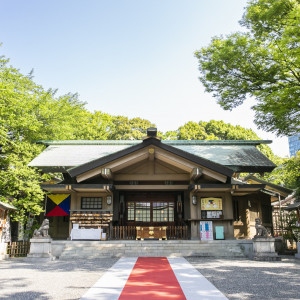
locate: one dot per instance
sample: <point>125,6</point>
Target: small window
<point>91,203</point>
<point>130,211</point>
<point>163,212</point>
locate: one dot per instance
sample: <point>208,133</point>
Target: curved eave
<point>295,206</point>
<point>52,169</point>
<point>7,206</point>
<point>252,169</point>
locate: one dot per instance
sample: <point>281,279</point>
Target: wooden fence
<point>177,232</point>
<point>129,233</point>
<point>123,233</point>
<point>18,249</point>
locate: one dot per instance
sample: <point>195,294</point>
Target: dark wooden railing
<point>129,233</point>
<point>18,249</point>
<point>123,233</point>
<point>177,232</point>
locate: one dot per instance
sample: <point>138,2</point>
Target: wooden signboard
<point>211,203</point>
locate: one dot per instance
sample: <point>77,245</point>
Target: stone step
<point>96,249</point>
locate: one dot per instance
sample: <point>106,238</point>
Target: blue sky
<point>126,57</point>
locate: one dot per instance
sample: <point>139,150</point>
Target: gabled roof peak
<point>152,133</point>
<point>75,171</point>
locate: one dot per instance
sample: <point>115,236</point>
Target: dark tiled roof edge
<point>167,142</point>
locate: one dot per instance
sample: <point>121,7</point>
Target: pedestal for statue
<point>297,255</point>
<point>3,250</point>
<point>264,249</point>
<point>40,248</point>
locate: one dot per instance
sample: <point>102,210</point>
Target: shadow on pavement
<point>247,279</point>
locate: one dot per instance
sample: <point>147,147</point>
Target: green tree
<point>192,131</point>
<point>263,63</point>
<point>29,113</point>
<point>226,131</point>
<point>170,135</point>
<point>218,130</point>
<point>287,173</point>
<point>124,128</point>
<point>97,126</point>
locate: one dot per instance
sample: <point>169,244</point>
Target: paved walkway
<point>237,279</point>
<point>153,278</point>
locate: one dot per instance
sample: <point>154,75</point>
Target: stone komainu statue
<point>43,230</point>
<point>261,230</point>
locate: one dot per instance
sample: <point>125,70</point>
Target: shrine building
<point>155,189</point>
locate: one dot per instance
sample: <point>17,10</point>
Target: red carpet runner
<point>152,278</point>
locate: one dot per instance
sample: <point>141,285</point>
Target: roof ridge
<point>167,142</point>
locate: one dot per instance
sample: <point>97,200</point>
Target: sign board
<point>211,203</point>
<point>219,232</point>
<point>206,230</point>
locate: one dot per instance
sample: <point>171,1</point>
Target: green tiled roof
<point>238,155</point>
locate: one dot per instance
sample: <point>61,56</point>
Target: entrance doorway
<point>152,208</point>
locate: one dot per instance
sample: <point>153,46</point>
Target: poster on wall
<point>211,203</point>
<point>206,230</point>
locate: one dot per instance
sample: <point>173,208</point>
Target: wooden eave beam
<point>155,177</point>
<point>146,187</point>
<point>215,175</point>
<point>127,161</point>
<point>211,188</point>
<point>115,165</point>
<point>196,173</point>
<point>106,173</point>
<point>56,187</point>
<point>186,166</point>
<point>246,188</point>
<point>76,188</point>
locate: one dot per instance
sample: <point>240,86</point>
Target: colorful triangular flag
<point>58,198</point>
<point>65,205</point>
<point>57,212</point>
<point>58,205</point>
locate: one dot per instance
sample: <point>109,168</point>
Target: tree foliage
<point>216,130</point>
<point>28,113</point>
<point>193,131</point>
<point>287,173</point>
<point>263,63</point>
<point>102,126</point>
<point>129,129</point>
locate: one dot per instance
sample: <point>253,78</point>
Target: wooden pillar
<point>194,215</point>
<point>247,222</point>
<point>186,205</point>
<point>116,204</point>
<point>228,214</point>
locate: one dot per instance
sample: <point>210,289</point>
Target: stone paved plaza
<point>235,278</point>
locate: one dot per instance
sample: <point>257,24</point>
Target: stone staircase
<point>69,250</point>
